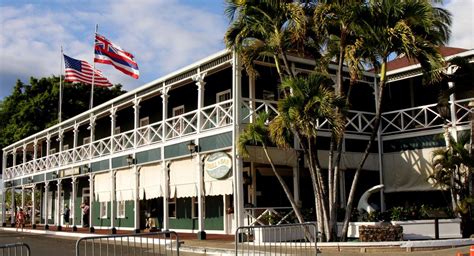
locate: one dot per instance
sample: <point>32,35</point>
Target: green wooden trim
<point>148,155</point>
<point>180,149</point>
<point>100,165</point>
<point>120,161</point>
<point>215,142</point>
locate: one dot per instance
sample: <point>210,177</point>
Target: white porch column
<point>75,139</point>
<point>4,205</point>
<point>33,206</point>
<point>45,211</point>
<point>113,121</point>
<point>136,119</point>
<point>91,198</point>
<point>61,139</point>
<point>380,151</point>
<point>164,112</point>
<point>23,198</point>
<point>14,156</point>
<point>72,207</point>
<point>35,154</point>
<point>13,208</point>
<point>136,199</point>
<point>48,143</point>
<point>201,200</point>
<point>24,154</point>
<point>112,202</point>
<point>166,218</point>
<point>237,159</point>
<point>58,205</point>
<point>199,79</point>
<point>92,119</point>
<point>4,164</point>
<point>452,106</point>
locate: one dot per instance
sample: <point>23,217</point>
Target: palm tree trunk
<point>378,113</point>
<point>288,193</point>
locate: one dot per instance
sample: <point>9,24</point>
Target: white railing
<point>220,115</point>
<point>268,216</point>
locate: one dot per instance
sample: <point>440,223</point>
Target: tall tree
<point>414,28</point>
<point>311,102</point>
<point>257,133</point>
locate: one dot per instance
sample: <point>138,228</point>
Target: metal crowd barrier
<point>16,249</point>
<point>284,239</point>
<point>153,243</point>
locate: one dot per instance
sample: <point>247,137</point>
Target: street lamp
<point>192,147</point>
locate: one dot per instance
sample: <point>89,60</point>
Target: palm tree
<point>414,28</point>
<point>264,29</point>
<point>312,100</point>
<point>453,171</point>
<point>257,133</point>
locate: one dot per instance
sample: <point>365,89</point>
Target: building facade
<point>164,155</point>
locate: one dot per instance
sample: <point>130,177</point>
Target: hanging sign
<point>218,165</point>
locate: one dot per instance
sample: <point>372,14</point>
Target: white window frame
<point>178,123</point>
<point>121,209</point>
<point>144,121</point>
<point>225,119</point>
<point>103,209</point>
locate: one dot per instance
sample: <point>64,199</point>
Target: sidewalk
<point>225,245</point>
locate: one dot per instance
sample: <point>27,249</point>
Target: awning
<point>214,187</point>
<point>407,170</point>
<point>124,185</point>
<point>183,179</point>
<point>103,186</point>
<point>286,157</point>
<point>151,179</point>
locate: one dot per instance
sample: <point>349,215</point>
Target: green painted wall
<point>148,155</point>
<point>214,214</point>
<point>100,165</point>
<point>175,150</point>
<point>96,220</point>
<point>128,221</point>
<point>215,142</point>
<point>118,162</point>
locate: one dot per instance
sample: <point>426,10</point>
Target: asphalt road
<point>49,245</point>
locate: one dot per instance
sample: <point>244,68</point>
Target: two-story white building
<point>165,154</point>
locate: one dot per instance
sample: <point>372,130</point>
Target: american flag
<point>107,52</point>
<point>79,71</point>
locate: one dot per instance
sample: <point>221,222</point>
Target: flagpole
<point>61,88</point>
<point>93,69</point>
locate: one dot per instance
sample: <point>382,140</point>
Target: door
<point>85,198</point>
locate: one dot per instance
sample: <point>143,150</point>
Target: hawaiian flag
<point>79,71</point>
<point>107,52</point>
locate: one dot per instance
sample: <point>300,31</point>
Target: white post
<point>35,153</point>
<point>91,198</point>
<point>201,203</point>
<point>58,205</point>
<point>33,206</point>
<point>112,200</point>
<point>92,119</point>
<point>14,156</point>
<point>73,202</point>
<point>60,139</point>
<point>199,79</point>
<point>136,199</point>
<point>136,119</point>
<point>75,139</point>
<point>166,194</point>
<point>24,154</point>
<point>48,143</point>
<point>237,160</point>
<point>13,210</point>
<point>113,121</point>
<point>164,111</point>
<point>45,211</point>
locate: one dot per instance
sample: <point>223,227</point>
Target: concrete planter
<point>414,229</point>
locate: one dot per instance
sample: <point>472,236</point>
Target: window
<point>144,121</point>
<point>116,130</point>
<point>121,209</point>
<point>52,151</point>
<point>195,207</point>
<point>172,207</point>
<point>86,140</point>
<point>65,147</point>
<point>178,124</point>
<point>103,210</point>
<point>222,118</point>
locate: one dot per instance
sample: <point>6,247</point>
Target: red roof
<point>405,62</point>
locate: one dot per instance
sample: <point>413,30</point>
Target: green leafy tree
<point>453,170</point>
<point>414,28</point>
<point>312,101</point>
<point>257,133</point>
<point>33,107</point>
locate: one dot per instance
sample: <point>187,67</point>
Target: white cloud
<point>163,36</point>
<point>463,23</point>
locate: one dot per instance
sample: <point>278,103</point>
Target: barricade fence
<point>147,244</point>
<point>16,249</point>
<point>284,239</point>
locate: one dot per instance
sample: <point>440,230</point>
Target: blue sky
<point>164,35</point>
